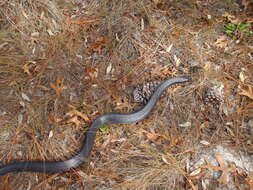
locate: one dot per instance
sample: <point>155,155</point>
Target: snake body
<point>84,152</point>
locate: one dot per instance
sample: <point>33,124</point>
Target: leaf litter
<point>95,51</point>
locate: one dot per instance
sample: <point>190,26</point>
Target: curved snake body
<point>84,152</point>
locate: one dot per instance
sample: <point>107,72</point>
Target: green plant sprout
<point>230,28</point>
<point>104,128</point>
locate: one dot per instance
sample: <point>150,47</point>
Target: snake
<point>83,154</point>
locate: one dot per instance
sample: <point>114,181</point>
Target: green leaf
<point>98,137</point>
<point>245,30</point>
<point>231,27</point>
<point>229,31</point>
<point>103,128</point>
<point>244,26</point>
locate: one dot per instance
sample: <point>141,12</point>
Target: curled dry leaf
<point>75,121</point>
<point>3,44</point>
<point>168,49</point>
<point>186,124</point>
<point>91,71</point>
<point>204,142</point>
<point>231,18</point>
<point>152,136</point>
<point>165,160</point>
<point>109,68</point>
<point>50,32</point>
<point>25,97</point>
<point>30,67</point>
<point>24,14</point>
<point>51,134</point>
<point>195,173</point>
<point>26,69</point>
<point>221,42</point>
<point>242,76</point>
<point>162,71</point>
<point>248,91</point>
<point>177,61</point>
<point>78,113</point>
<point>22,103</point>
<point>53,119</point>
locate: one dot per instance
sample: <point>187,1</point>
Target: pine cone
<point>214,96</point>
<point>142,93</point>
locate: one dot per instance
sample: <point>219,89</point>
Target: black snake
<point>84,152</point>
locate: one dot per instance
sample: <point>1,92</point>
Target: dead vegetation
<point>64,63</point>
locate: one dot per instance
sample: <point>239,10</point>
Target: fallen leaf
<point>78,113</point>
<point>104,128</point>
<point>195,173</point>
<point>222,167</point>
<point>162,71</point>
<point>231,18</point>
<point>75,121</point>
<point>53,119</point>
<point>177,61</point>
<point>91,71</point>
<point>24,14</point>
<point>100,44</point>
<point>29,67</point>
<point>165,160</point>
<point>185,124</point>
<point>109,68</point>
<point>221,42</point>
<point>75,24</point>
<point>50,32</point>
<point>247,92</point>
<point>51,134</point>
<point>25,97</point>
<point>3,44</point>
<point>242,76</point>
<point>204,142</point>
<point>81,21</point>
<point>151,136</point>
<point>26,69</point>
<point>225,170</point>
<point>58,86</point>
<point>168,49</point>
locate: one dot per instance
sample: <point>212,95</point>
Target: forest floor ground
<point>64,63</point>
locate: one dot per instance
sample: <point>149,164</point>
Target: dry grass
<point>64,63</point>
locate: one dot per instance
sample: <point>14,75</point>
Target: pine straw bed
<point>64,63</point>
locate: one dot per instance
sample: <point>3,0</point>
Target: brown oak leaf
<point>58,86</point>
